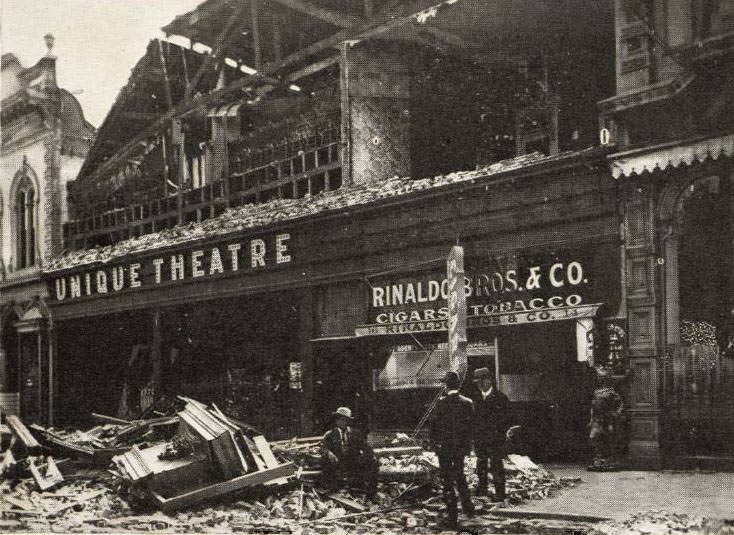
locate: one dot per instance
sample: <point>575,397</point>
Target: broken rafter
<point>387,21</point>
<point>164,68</point>
<point>313,68</point>
<point>235,18</point>
<point>337,18</point>
<point>421,17</point>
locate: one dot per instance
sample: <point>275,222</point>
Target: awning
<point>225,110</point>
<point>670,155</point>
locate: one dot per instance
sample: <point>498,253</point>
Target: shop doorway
<point>698,367</point>
<point>9,391</point>
<point>549,389</point>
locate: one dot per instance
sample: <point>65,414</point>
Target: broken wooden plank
<point>349,505</point>
<point>77,450</point>
<point>297,440</point>
<point>270,461</point>
<point>46,474</point>
<point>80,499</point>
<point>264,448</point>
<point>7,461</point>
<point>225,487</point>
<point>23,434</point>
<point>399,450</point>
<point>20,503</point>
<point>109,419</point>
<point>255,453</point>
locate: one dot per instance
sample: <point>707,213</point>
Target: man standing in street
<point>450,432</point>
<point>491,409</point>
<point>346,456</point>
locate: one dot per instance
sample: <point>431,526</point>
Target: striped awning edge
<point>636,163</point>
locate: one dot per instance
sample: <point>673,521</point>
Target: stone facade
<point>45,141</point>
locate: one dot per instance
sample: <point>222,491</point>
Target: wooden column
<point>643,309</point>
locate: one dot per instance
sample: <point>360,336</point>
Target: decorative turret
<point>47,64</point>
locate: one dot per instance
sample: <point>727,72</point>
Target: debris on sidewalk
<point>665,523</point>
<point>207,472</point>
<point>25,457</point>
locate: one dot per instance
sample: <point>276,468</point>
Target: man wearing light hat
<point>346,456</point>
<point>491,411</point>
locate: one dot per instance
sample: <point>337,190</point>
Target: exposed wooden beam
<point>313,68</point>
<point>337,18</point>
<point>164,68</point>
<point>420,17</point>
<point>386,22</point>
<point>234,19</point>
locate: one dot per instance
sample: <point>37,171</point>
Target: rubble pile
<point>665,523</point>
<point>258,215</point>
<point>73,505</point>
<point>98,445</point>
<point>199,470</point>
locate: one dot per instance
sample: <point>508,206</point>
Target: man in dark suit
<point>491,408</point>
<point>451,434</point>
<point>346,456</point>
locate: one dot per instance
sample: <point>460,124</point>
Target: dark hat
<point>481,373</point>
<point>452,380</point>
<point>344,412</point>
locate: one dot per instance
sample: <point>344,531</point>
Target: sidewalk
<point>618,494</point>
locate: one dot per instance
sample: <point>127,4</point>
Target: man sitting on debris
<point>345,455</point>
<point>451,433</point>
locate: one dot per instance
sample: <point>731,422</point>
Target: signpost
<point>457,311</point>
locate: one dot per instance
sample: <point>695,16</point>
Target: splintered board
<point>267,454</point>
<point>218,489</point>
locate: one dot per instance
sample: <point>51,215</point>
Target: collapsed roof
<point>261,43</point>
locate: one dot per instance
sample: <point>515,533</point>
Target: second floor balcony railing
<point>291,169</point>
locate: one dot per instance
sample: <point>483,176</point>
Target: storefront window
<point>408,368</point>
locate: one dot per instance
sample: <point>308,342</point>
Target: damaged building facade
<point>45,139</point>
<point>270,231</point>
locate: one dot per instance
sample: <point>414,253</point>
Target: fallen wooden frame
<point>225,487</point>
<point>23,434</point>
<point>222,459</point>
<point>46,473</point>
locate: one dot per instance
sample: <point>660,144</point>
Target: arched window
<point>25,224</point>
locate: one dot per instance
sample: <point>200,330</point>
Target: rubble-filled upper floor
<point>247,102</point>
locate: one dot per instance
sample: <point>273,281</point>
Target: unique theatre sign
<point>539,288</point>
<point>195,263</point>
